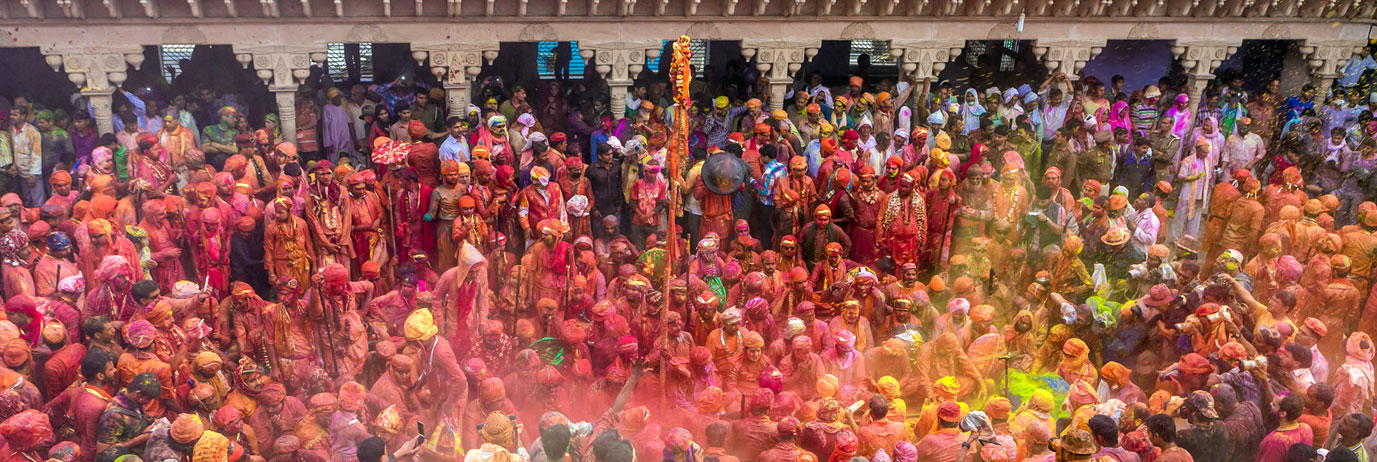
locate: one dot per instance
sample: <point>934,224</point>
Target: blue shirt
<point>455,149</point>
<point>1354,70</point>
<point>765,187</point>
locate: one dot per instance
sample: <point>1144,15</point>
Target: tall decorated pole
<point>682,75</point>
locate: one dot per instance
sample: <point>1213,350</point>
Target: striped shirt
<point>765,186</point>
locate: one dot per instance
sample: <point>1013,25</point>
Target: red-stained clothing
<point>269,424</point>
<point>87,406</point>
<point>62,369</point>
<point>942,446</point>
<point>880,434</point>
<point>751,436</point>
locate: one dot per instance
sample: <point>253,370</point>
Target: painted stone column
<point>1326,61</point>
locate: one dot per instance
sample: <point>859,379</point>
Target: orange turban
<point>1115,373</point>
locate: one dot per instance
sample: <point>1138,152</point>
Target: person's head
<point>1161,430</point>
<point>458,128</point>
<point>555,438</point>
<point>1291,407</point>
<point>144,292</point>
<point>1318,397</point>
<point>1301,452</point>
<point>1354,427</point>
<point>143,388</point>
<point>716,434</point>
<point>98,367</point>
<point>372,449</point>
<point>1105,430</point>
<point>1055,96</point>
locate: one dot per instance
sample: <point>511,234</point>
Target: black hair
<point>602,445</point>
<point>107,139</point>
<point>1002,130</point>
<point>734,149</point>
<point>1301,354</point>
<point>1362,423</point>
<point>143,289</point>
<point>1301,452</point>
<point>1141,141</point>
<point>1321,392</point>
<point>555,441</point>
<point>769,152</point>
<point>146,384</point>
<point>112,453</point>
<point>1340,454</point>
<point>452,120</point>
<point>128,118</point>
<point>372,449</point>
<point>717,433</point>
<point>1163,426</point>
<point>1291,407</point>
<point>620,451</point>
<point>94,363</point>
<point>1105,429</point>
<point>1053,93</point>
<point>94,325</point>
<point>879,406</point>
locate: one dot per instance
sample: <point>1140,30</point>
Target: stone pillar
<point>779,60</point>
<point>96,72</point>
<point>1068,57</point>
<point>456,65</point>
<point>285,95</point>
<point>1200,59</point>
<point>101,101</point>
<point>281,68</point>
<point>1326,61</point>
<point>619,63</point>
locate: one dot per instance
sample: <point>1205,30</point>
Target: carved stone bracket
<point>926,58</point>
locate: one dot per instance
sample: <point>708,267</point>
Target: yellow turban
<point>420,325</point>
<point>943,141</point>
<point>947,386</point>
<point>888,386</point>
<point>1041,401</point>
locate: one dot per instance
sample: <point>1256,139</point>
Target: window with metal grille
<point>340,56</point>
<point>699,58</point>
<point>171,56</point>
<point>545,60</point>
<point>1006,62</point>
<point>877,49</point>
<point>975,49</point>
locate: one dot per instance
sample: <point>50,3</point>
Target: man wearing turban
<point>369,220</point>
<point>325,204</point>
<point>438,368</point>
<point>164,245</point>
<point>492,398</point>
<point>444,209</point>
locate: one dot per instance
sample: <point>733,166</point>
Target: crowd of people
<point>907,271</point>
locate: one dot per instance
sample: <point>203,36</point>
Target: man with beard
<point>547,263</point>
<point>867,200</point>
<point>977,211</point>
<point>792,195</point>
<point>828,273</point>
<point>409,205</point>
<point>444,208</point>
<point>539,201</point>
<point>820,233</point>
<point>102,240</point>
<point>367,217</point>
<point>287,244</point>
<point>941,205</point>
<point>326,203</point>
<point>903,223</point>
